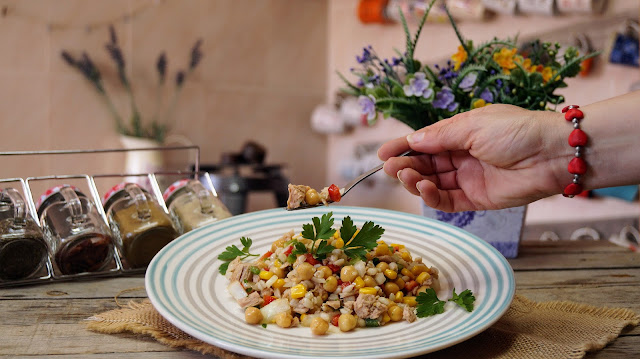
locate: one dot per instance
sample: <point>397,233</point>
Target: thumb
<point>450,134</point>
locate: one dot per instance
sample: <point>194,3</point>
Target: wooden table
<point>46,320</point>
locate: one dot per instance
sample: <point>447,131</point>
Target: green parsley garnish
<point>429,304</point>
<point>232,252</point>
<point>364,241</point>
<point>320,230</point>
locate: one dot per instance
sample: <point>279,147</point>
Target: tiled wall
<point>263,71</point>
<point>347,37</point>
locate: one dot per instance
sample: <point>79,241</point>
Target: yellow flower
<point>547,74</point>
<point>479,103</point>
<point>459,57</point>
<point>525,63</point>
<point>504,58</point>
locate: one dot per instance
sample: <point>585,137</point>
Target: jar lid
<point>174,187</point>
<point>110,196</point>
<point>52,191</point>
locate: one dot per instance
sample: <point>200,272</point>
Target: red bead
<point>573,113</point>
<point>577,138</point>
<point>573,189</point>
<point>577,166</point>
<point>566,108</point>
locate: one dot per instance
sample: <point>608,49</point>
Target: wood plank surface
<point>47,319</point>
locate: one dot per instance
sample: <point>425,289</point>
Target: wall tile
<point>24,37</point>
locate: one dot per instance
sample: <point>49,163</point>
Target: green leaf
<point>464,299</point>
<point>324,248</point>
<point>246,242</point>
<point>299,248</point>
<point>429,304</point>
<point>348,229</point>
<point>364,241</point>
<point>231,253</point>
<point>223,268</point>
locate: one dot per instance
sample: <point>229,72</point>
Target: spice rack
<point>117,266</point>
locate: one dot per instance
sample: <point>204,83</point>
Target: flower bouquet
<point>497,71</point>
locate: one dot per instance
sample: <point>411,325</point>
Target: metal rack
<point>117,266</point>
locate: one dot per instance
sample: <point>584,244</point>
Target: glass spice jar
<point>79,238</point>
<point>140,224</point>
<point>191,205</point>
<point>23,250</point>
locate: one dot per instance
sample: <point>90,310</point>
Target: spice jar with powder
<point>78,236</point>
<point>140,224</point>
<point>23,250</point>
<point>191,205</point>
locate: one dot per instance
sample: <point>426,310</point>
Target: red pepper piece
<point>334,193</point>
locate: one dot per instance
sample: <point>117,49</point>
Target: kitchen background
<point>268,68</point>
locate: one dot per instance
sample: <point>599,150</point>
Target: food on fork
<point>305,196</point>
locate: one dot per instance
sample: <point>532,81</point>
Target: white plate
<point>184,285</point>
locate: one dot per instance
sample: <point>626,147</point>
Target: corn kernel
<point>302,317</point>
<point>408,273</point>
<point>386,318</point>
<point>410,301</point>
<point>265,275</point>
<point>422,277</point>
<point>336,234</point>
<point>279,283</point>
<point>359,282</point>
<point>405,255</point>
<point>277,263</point>
<point>391,274</point>
<point>399,297</point>
<point>339,243</point>
<point>368,290</point>
<point>298,291</point>
<point>419,268</point>
<point>399,246</point>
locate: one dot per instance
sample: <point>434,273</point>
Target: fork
<point>344,190</point>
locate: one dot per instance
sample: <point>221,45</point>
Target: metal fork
<point>344,190</point>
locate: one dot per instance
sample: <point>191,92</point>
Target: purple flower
<point>468,81</point>
<point>486,95</point>
<point>418,86</point>
<point>443,98</point>
<point>368,106</point>
<point>366,56</point>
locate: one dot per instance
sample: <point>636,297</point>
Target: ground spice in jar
<point>79,237</point>
<point>141,225</point>
<point>23,250</point>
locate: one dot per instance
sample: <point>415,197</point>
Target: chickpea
<point>283,319</point>
<point>369,281</point>
<point>330,284</point>
<point>305,271</point>
<point>390,287</point>
<point>312,197</point>
<point>346,322</point>
<point>326,271</point>
<point>277,244</point>
<point>382,266</point>
<point>348,273</point>
<point>319,326</point>
<point>279,272</point>
<point>395,312</point>
<point>252,315</point>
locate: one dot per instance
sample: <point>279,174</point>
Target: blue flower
<point>487,95</point>
<point>368,106</point>
<point>418,86</point>
<point>443,98</point>
<point>468,81</point>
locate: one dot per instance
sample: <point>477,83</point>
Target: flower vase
<point>141,161</point>
<point>501,228</point>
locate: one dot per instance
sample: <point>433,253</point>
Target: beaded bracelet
<point>578,139</point>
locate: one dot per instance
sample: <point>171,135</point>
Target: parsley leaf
<point>348,229</point>
<point>323,249</point>
<point>429,304</point>
<point>299,248</point>
<point>464,299</point>
<point>364,241</point>
<point>321,228</point>
<point>232,252</point>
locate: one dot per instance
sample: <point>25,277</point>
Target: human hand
<point>493,157</point>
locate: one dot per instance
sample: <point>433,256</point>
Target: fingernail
<point>415,137</point>
<point>398,175</point>
<point>418,186</point>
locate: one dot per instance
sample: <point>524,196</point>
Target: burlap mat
<point>528,330</point>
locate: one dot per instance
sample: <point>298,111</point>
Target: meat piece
<point>409,314</point>
<point>335,304</point>
<point>296,195</point>
<point>238,271</point>
<point>251,300</point>
<point>368,306</point>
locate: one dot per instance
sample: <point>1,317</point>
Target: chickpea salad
<point>304,196</point>
<point>333,280</point>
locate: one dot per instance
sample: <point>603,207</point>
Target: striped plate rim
<point>183,284</point>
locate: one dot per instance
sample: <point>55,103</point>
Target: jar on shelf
<point>191,205</point>
<point>79,238</point>
<point>139,223</point>
<point>23,249</point>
